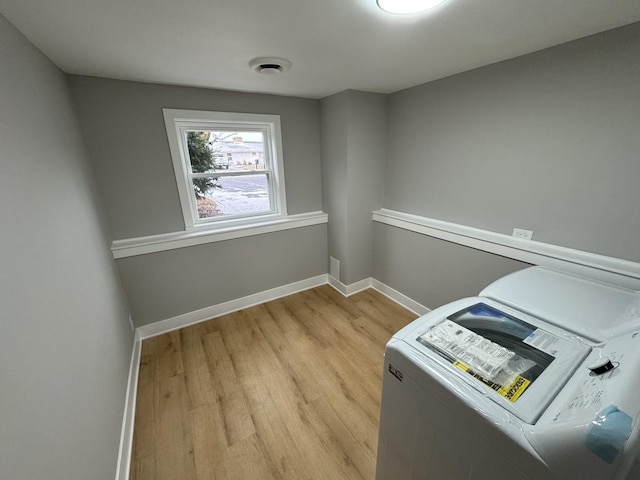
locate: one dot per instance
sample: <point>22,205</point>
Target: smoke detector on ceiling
<point>269,65</point>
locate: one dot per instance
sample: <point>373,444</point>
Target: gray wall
<point>65,341</point>
<point>548,142</point>
<point>126,137</point>
<point>334,114</point>
<point>354,126</point>
<point>166,284</point>
<point>432,271</point>
<point>367,142</point>
<point>127,141</point>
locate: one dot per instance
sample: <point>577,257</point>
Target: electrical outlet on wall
<point>522,233</point>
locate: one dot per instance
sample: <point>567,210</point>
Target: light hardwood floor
<point>289,389</point>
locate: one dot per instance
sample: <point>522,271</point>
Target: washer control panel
<point>609,377</point>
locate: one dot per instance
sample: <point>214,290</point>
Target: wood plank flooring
<point>289,389</point>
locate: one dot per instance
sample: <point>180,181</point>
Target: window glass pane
<point>227,163</point>
<point>239,195</point>
<point>221,150</point>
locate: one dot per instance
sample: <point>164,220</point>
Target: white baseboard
<point>191,318</point>
<point>396,296</point>
<point>348,290</point>
<point>128,419</point>
<point>399,298</point>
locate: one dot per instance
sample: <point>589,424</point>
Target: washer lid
<point>589,308</point>
<point>516,360</point>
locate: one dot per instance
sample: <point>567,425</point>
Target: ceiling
<point>333,45</point>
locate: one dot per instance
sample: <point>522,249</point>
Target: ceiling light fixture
<point>269,65</point>
<point>408,6</point>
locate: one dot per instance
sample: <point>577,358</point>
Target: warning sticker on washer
<point>511,392</point>
<point>545,342</point>
<point>482,355</point>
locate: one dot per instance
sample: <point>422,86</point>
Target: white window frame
<point>178,122</point>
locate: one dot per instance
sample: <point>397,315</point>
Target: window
<point>228,167</point>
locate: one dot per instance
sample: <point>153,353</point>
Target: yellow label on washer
<point>511,392</point>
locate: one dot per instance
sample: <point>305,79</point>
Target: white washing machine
<point>537,378</point>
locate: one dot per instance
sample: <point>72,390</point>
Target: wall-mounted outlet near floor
<point>334,268</point>
<point>522,234</point>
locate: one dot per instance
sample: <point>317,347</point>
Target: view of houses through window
<point>228,166</point>
<point>229,172</point>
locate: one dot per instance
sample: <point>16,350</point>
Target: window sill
<point>130,247</point>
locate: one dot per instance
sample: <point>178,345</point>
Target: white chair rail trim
<point>538,253</point>
<point>130,247</point>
